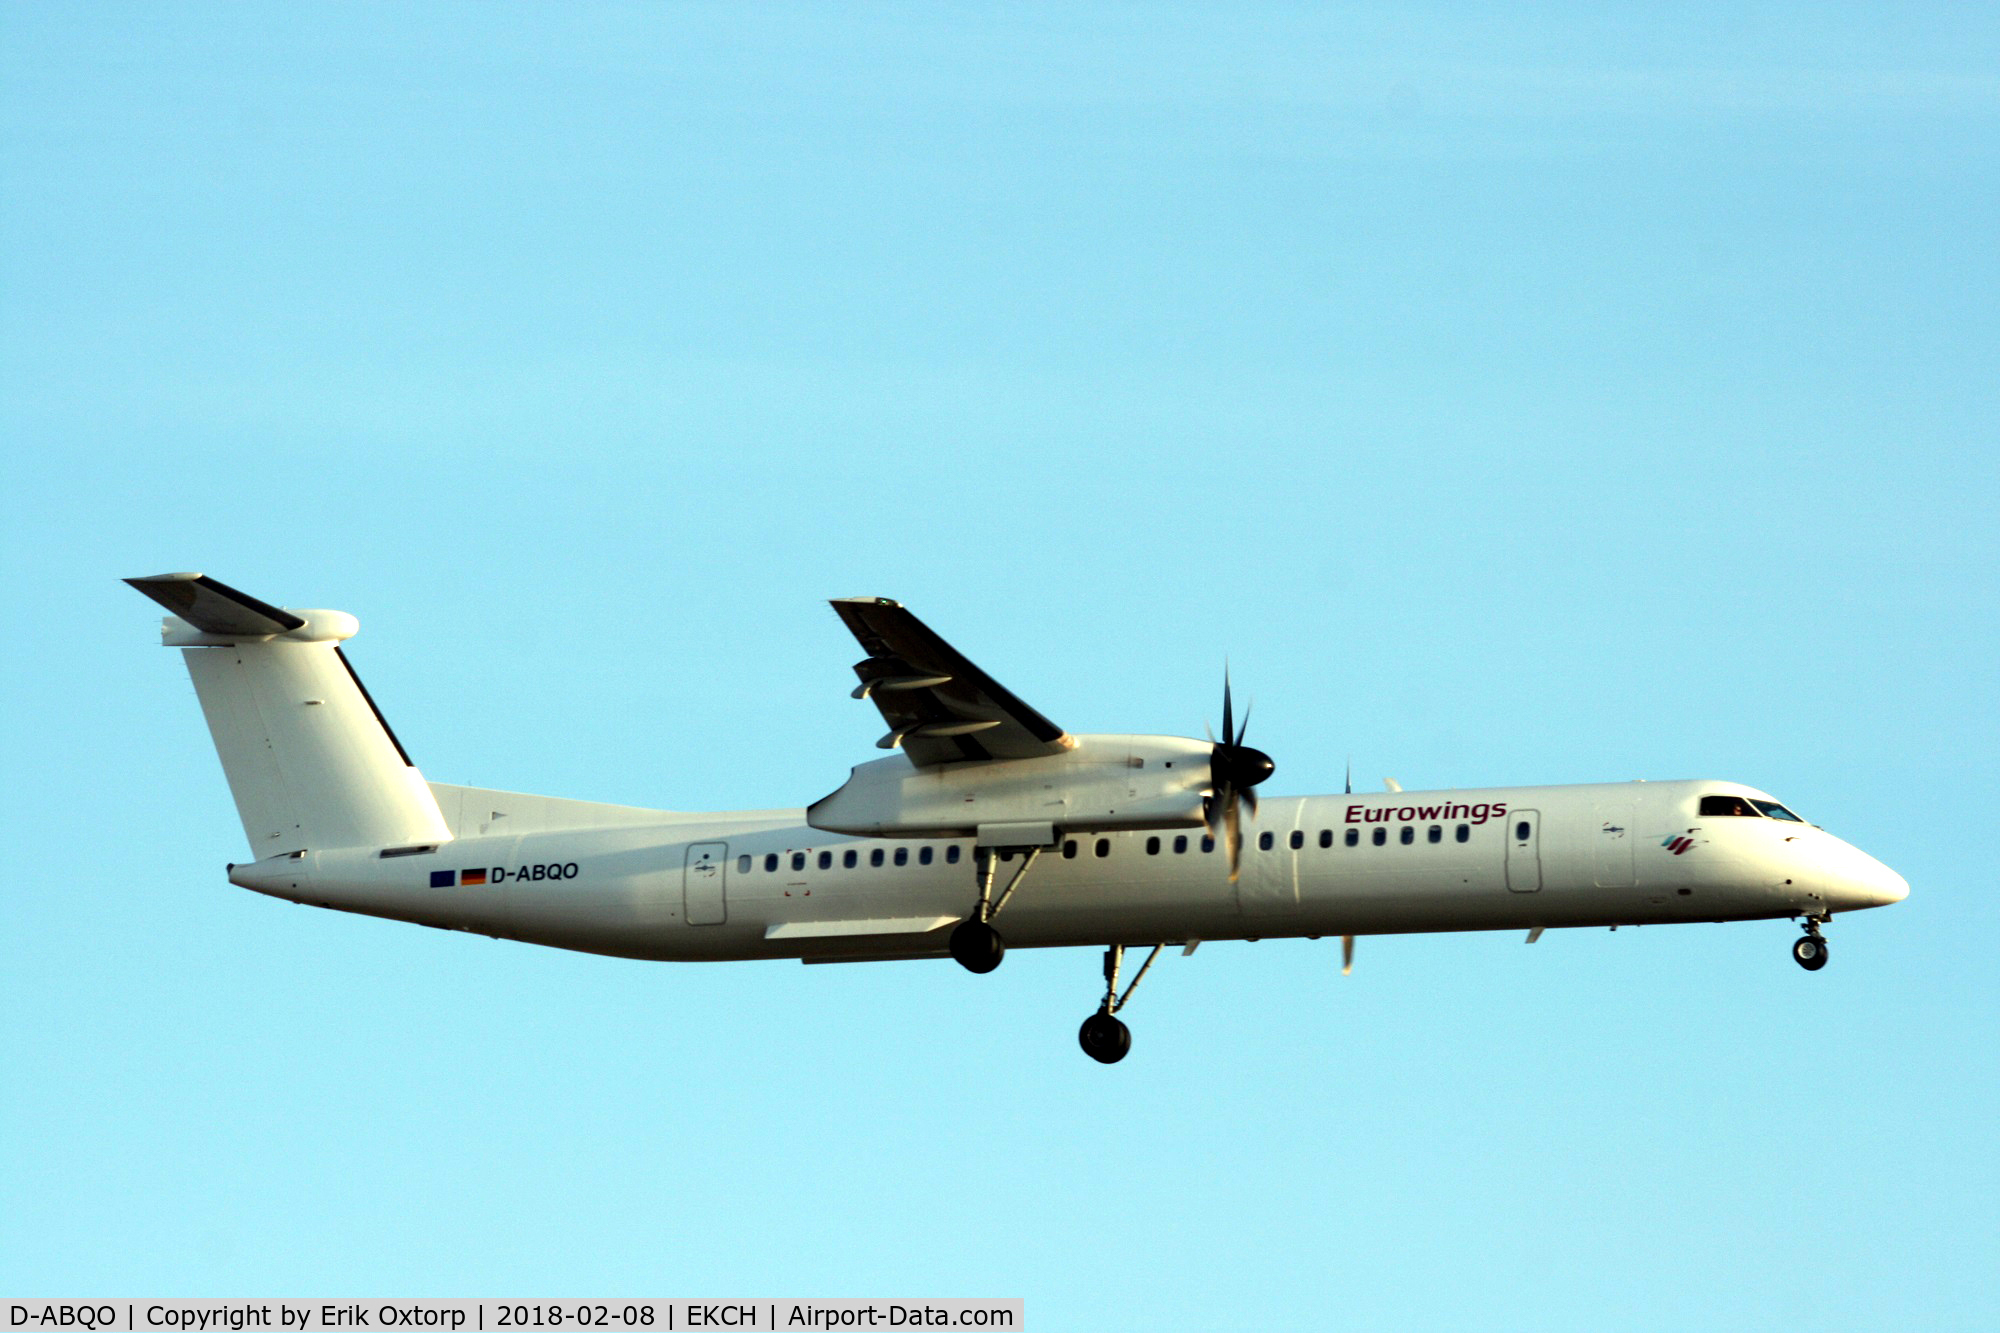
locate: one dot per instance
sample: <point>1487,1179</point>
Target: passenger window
<point>1712,806</point>
<point>848,858</point>
<point>1437,833</point>
<point>1069,849</point>
<point>923,856</point>
<point>826,860</point>
<point>771,863</point>
<point>743,865</point>
<point>1776,811</point>
<point>1180,843</point>
<point>798,860</point>
<point>1264,842</point>
<point>1409,835</point>
<point>1381,838</point>
<point>951,855</point>
<point>1522,830</point>
<point>875,857</point>
<point>1326,837</point>
<point>902,856</point>
<point>1152,846</point>
<point>1104,847</point>
<point>1298,839</point>
<point>1207,843</point>
<point>1354,837</point>
<point>1465,833</point>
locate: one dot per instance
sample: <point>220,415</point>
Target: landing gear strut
<point>1103,1036</point>
<point>1809,950</point>
<point>974,942</point>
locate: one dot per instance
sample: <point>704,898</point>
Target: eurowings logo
<point>1677,844</point>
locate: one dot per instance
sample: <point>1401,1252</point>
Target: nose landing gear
<point>1809,950</point>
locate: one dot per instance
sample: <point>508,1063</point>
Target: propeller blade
<point>1232,828</point>
<point>1234,769</point>
<point>1228,735</point>
<point>1347,955</point>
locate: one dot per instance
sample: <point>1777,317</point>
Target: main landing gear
<point>974,942</point>
<point>1809,950</point>
<point>1103,1036</point>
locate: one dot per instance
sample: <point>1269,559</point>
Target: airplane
<point>986,827</point>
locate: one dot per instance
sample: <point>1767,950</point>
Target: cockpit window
<point>1776,811</point>
<point>1727,805</point>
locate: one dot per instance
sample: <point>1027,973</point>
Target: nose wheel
<point>1809,950</point>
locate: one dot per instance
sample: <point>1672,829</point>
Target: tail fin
<point>309,758</point>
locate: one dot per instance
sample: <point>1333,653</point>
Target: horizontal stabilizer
<point>214,607</point>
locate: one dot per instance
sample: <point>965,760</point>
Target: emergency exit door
<point>1524,850</point>
<point>704,888</point>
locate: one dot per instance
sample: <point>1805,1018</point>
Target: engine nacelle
<point>1104,783</point>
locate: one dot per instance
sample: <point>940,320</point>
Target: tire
<point>977,946</point>
<point>1104,1039</point>
<point>1809,952</point>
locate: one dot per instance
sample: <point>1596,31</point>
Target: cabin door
<point>1524,850</point>
<point>704,889</point>
<point>1611,855</point>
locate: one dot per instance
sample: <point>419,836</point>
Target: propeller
<point>1234,770</point>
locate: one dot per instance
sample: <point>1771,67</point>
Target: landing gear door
<point>1524,850</point>
<point>704,889</point>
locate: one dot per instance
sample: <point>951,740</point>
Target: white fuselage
<point>764,884</point>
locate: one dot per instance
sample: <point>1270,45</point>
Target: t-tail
<point>310,760</point>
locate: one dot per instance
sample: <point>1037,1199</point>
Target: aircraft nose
<point>1892,887</point>
<point>1859,880</point>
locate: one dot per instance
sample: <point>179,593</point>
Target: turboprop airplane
<point>1090,840</point>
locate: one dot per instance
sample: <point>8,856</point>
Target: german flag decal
<point>471,877</point>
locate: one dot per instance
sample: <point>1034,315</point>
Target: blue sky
<point>1513,394</point>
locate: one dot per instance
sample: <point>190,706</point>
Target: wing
<point>941,709</point>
